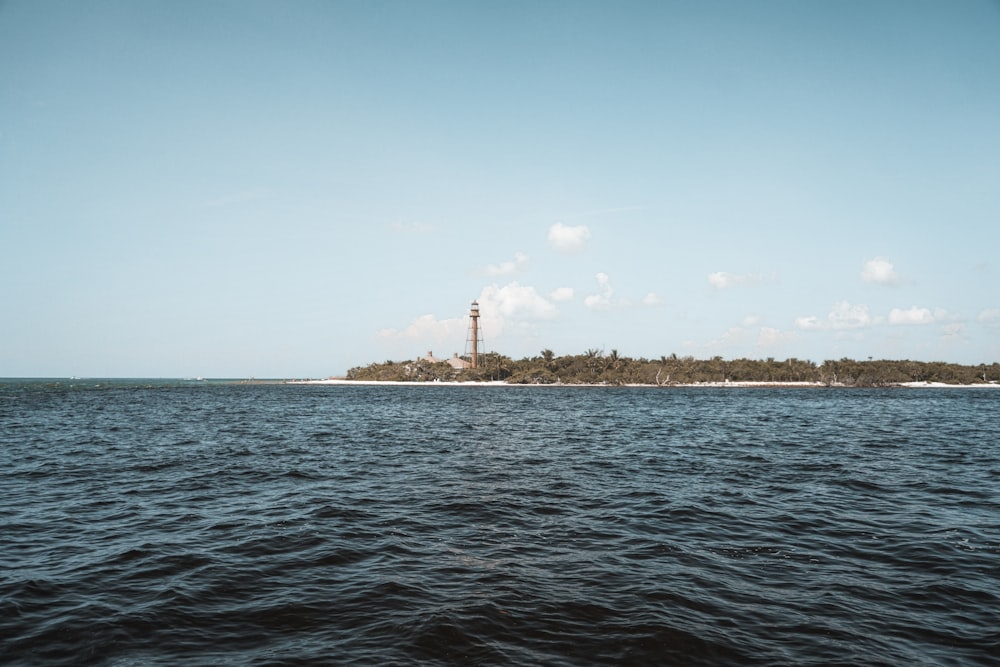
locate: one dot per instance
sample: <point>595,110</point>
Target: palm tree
<point>593,359</point>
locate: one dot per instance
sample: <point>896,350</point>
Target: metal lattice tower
<point>474,341</point>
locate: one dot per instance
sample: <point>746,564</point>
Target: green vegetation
<point>596,367</point>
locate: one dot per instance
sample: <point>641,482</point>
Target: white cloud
<point>912,315</point>
<point>512,305</point>
<point>720,280</point>
<point>605,296</point>
<point>568,239</point>
<point>990,316</point>
<point>849,316</point>
<point>723,280</point>
<point>515,301</point>
<point>562,294</point>
<point>509,267</point>
<point>809,323</point>
<point>844,315</point>
<point>428,328</point>
<point>880,272</point>
<point>605,293</point>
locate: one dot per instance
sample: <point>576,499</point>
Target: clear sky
<point>233,188</point>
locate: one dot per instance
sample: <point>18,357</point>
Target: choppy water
<point>295,525</point>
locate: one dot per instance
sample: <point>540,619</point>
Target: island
<point>595,367</point>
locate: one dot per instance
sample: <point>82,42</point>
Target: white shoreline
<point>709,385</point>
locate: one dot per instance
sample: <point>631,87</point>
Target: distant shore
<point>707,385</point>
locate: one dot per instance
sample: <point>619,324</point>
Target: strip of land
<point>594,367</point>
<point>722,385</point>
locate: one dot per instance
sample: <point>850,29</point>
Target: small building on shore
<point>455,362</point>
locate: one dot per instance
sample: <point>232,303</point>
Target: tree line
<point>597,367</point>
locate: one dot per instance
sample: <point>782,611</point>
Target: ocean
<point>193,523</point>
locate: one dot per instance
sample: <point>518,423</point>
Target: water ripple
<point>283,525</point>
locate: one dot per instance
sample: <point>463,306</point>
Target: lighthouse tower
<point>474,341</point>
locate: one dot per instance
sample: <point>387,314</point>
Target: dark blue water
<point>297,525</point>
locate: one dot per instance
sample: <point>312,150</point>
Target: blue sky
<point>290,189</point>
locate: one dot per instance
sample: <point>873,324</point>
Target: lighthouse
<point>473,341</point>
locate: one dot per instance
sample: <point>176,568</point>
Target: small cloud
<point>509,267</point>
<point>750,321</point>
<point>719,280</point>
<point>880,272</point>
<point>990,317</point>
<point>849,316</point>
<point>604,295</point>
<point>722,280</point>
<point>810,323</point>
<point>562,294</point>
<point>568,239</point>
<point>428,327</point>
<point>912,315</point>
<point>844,315</point>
